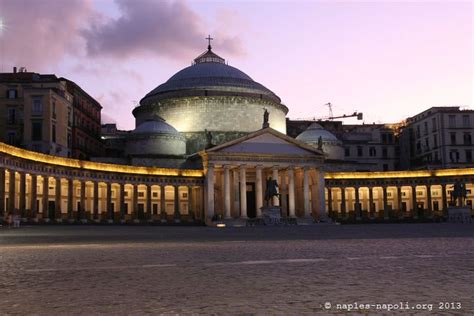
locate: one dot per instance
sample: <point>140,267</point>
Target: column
<point>330,202</point>
<point>385,203</point>
<point>371,202</point>
<point>177,215</point>
<point>243,192</point>
<point>258,191</point>
<point>210,191</point>
<point>22,195</point>
<point>2,192</point>
<point>358,210</point>
<point>444,205</point>
<point>162,203</point>
<point>343,202</point>
<point>70,198</point>
<point>307,205</point>
<point>11,193</point>
<point>82,212</point>
<point>148,201</point>
<point>235,190</point>
<point>57,200</point>
<point>96,200</point>
<point>135,202</point>
<point>413,199</point>
<point>226,192</point>
<point>284,197</point>
<point>276,199</point>
<point>45,196</point>
<point>33,196</point>
<point>428,198</point>
<point>191,210</point>
<point>291,192</point>
<point>399,201</point>
<point>122,201</point>
<point>108,206</point>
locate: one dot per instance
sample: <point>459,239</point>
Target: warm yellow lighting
<point>221,225</point>
<point>400,174</point>
<point>97,166</point>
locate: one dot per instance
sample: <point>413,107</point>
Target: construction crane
<point>331,116</point>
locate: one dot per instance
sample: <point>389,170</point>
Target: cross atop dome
<point>209,56</point>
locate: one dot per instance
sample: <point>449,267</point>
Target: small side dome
<point>155,137</point>
<point>331,145</point>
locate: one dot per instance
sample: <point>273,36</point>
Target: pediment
<point>267,142</point>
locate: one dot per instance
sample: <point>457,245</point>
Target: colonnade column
<point>371,202</point>
<point>428,198</point>
<point>413,199</point>
<point>444,200</point>
<point>276,199</point>
<point>2,191</point>
<point>11,193</point>
<point>45,196</point>
<point>321,195</point>
<point>258,191</point>
<point>122,201</point>
<point>210,191</point>
<point>162,203</point>
<point>135,202</point>
<point>226,192</point>
<point>385,202</point>
<point>291,192</point>
<point>70,198</point>
<point>243,192</point>
<point>22,195</point>
<point>108,203</point>
<point>307,205</point>
<point>357,204</point>
<point>148,201</point>
<point>176,204</point>
<point>96,201</point>
<point>399,201</point>
<point>33,195</point>
<point>82,211</point>
<point>57,200</point>
<point>343,202</point>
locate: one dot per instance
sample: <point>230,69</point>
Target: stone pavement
<point>57,270</point>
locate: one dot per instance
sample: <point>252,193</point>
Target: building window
<point>467,138</point>
<point>436,158</point>
<point>359,151</point>
<point>453,138</point>
<point>384,138</point>
<point>12,94</point>
<point>11,116</point>
<point>69,142</point>
<point>54,109</point>
<point>389,138</point>
<point>347,152</point>
<point>36,131</point>
<point>372,152</point>
<point>468,156</point>
<point>452,121</point>
<point>425,129</point>
<point>418,131</point>
<point>435,141</point>
<point>69,117</point>
<point>433,123</point>
<point>141,194</point>
<point>37,106</point>
<point>53,133</point>
<point>454,156</point>
<point>427,144</point>
<point>11,138</point>
<point>466,121</point>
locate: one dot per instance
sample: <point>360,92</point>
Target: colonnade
<point>301,190</point>
<point>391,200</point>
<point>51,197</point>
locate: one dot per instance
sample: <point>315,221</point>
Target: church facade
<point>205,144</point>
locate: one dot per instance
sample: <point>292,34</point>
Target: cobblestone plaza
<point>318,269</point>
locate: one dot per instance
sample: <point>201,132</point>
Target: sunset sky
<point>389,60</point>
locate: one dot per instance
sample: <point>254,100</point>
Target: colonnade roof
<point>94,166</point>
<point>400,174</point>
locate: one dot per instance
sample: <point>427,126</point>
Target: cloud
<point>40,33</point>
<point>153,28</point>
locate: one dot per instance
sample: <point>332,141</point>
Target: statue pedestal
<point>271,215</point>
<point>459,214</point>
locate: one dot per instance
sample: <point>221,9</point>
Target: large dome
<point>209,75</point>
<point>315,135</point>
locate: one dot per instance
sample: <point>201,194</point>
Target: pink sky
<point>389,60</point>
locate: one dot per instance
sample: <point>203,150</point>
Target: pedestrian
<point>9,219</point>
<point>16,221</point>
